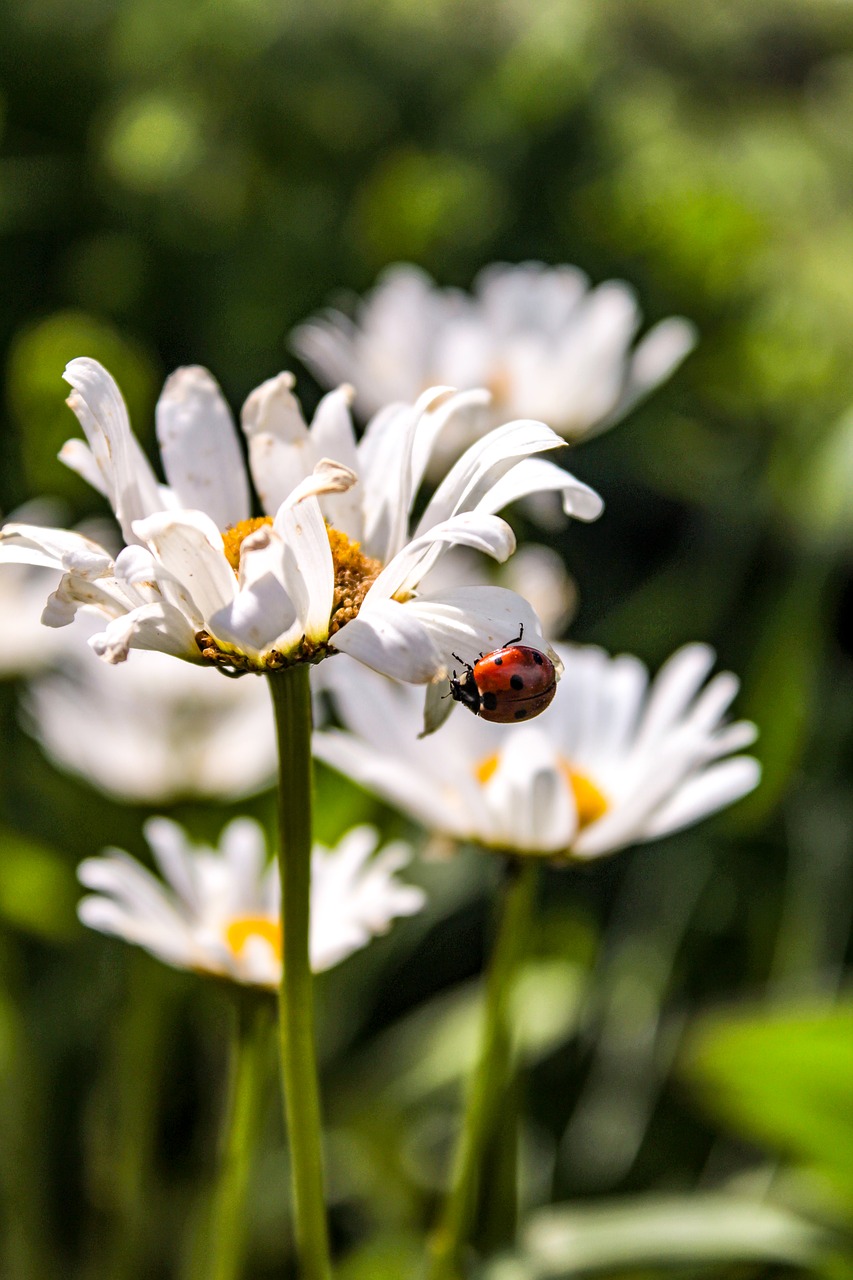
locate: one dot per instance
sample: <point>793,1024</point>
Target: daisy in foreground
<point>544,343</point>
<point>334,564</point>
<point>337,564</point>
<point>216,911</point>
<point>615,761</point>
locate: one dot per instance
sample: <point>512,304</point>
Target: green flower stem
<point>490,1078</point>
<point>291,695</point>
<point>225,1232</point>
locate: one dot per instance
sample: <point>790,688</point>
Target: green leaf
<point>784,1079</point>
<point>643,1231</point>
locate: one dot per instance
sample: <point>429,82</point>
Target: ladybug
<point>509,684</point>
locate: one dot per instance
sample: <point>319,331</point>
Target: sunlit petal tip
<point>433,398</point>
<point>326,478</point>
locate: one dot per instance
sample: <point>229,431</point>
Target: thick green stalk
<point>291,695</point>
<point>224,1238</point>
<point>490,1078</point>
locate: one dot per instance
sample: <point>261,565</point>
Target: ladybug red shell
<point>507,685</point>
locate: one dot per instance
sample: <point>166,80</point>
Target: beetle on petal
<point>513,683</point>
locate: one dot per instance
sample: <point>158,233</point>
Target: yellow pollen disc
<point>355,574</point>
<point>241,930</point>
<point>236,534</point>
<point>590,803</point>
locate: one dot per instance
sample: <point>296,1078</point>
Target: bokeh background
<point>183,184</point>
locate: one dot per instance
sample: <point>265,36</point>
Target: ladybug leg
<point>519,637</point>
<point>461,661</point>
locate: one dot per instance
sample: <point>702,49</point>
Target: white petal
<point>475,620</point>
<point>433,421</point>
<point>309,572</point>
<point>709,791</point>
<point>483,464</point>
<point>199,447</point>
<point>438,705</point>
<point>152,626</point>
<point>281,452</point>
<point>533,805</point>
<point>391,638</point>
<point>674,686</point>
<point>134,887</point>
<point>332,430</point>
<point>77,456</point>
<point>128,478</point>
<point>173,855</point>
<point>53,549</point>
<point>189,546</point>
<point>333,436</point>
<point>262,611</point>
<point>536,475</point>
<point>398,781</point>
<point>655,357</point>
<point>485,533</point>
<point>243,847</point>
<point>171,945</point>
<point>327,477</point>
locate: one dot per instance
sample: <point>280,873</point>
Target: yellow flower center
<point>242,929</point>
<point>354,573</point>
<point>236,534</point>
<point>590,802</point>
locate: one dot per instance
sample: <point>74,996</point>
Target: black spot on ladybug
<point>490,701</point>
<point>521,713</point>
<point>516,682</point>
<point>499,662</point>
<point>537,657</point>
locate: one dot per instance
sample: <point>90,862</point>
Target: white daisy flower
<point>335,565</point>
<point>218,910</point>
<point>614,761</point>
<point>543,342</point>
<point>152,730</point>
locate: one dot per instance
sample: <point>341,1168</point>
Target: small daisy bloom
<point>543,342</point>
<point>217,910</point>
<point>152,730</point>
<point>616,760</point>
<point>334,565</point>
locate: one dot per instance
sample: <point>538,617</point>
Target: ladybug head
<point>464,689</point>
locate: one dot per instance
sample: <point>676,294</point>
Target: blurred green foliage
<point>786,1079</point>
<point>182,184</point>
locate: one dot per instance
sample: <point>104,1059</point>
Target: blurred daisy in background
<point>216,910</point>
<point>334,566</point>
<point>616,760</point>
<point>543,342</point>
<point>150,730</point>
